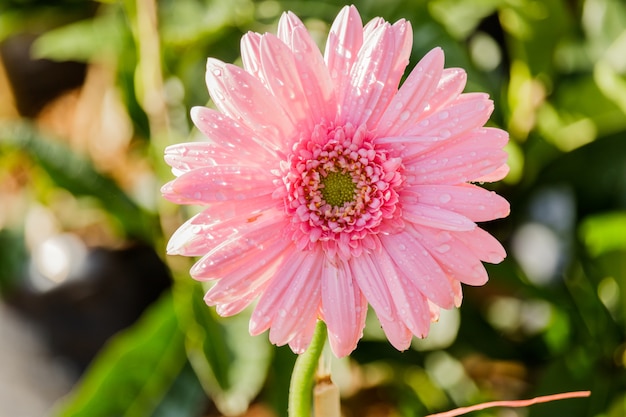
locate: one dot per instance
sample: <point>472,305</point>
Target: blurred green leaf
<point>140,371</point>
<point>78,175</point>
<point>604,232</point>
<point>83,40</point>
<point>536,28</point>
<point>13,258</point>
<point>231,365</point>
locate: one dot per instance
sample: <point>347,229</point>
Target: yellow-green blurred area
<point>97,321</point>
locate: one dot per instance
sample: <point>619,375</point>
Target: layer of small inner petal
<point>340,187</point>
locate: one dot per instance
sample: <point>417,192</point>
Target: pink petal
<point>397,333</point>
<point>376,73</point>
<point>412,98</point>
<point>343,305</point>
<point>453,163</point>
<point>485,247</point>
<point>496,175</point>
<point>344,42</point>
<point>314,75</point>
<point>287,23</point>
<point>200,234</point>
<point>251,54</point>
<point>413,261</point>
<point>432,216</point>
<point>302,339</point>
<point>291,298</point>
<point>231,309</point>
<point>241,276</point>
<point>367,273</point>
<point>471,201</point>
<point>467,112</point>
<point>281,76</point>
<point>243,97</point>
<point>235,139</point>
<point>227,255</point>
<point>410,303</point>
<point>454,257</point>
<point>450,85</point>
<point>227,304</point>
<point>219,183</point>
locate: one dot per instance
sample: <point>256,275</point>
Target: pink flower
<point>327,187</point>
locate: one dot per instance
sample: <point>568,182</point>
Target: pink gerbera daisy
<point>327,187</point>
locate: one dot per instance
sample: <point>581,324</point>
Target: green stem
<point>302,379</point>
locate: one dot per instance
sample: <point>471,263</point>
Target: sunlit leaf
<point>140,371</point>
<point>83,40</point>
<point>604,232</point>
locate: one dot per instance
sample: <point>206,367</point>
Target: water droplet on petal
<point>444,198</point>
<point>405,115</point>
<point>442,248</point>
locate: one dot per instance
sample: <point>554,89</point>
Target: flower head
<point>328,187</point>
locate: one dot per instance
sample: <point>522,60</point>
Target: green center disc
<point>338,188</point>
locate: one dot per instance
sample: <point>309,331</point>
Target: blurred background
<point>96,321</point>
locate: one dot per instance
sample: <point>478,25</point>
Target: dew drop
<point>443,115</point>
<point>217,72</point>
<point>405,115</point>
<point>197,195</point>
<point>401,246</point>
<point>282,312</point>
<point>443,248</point>
<point>445,198</point>
<point>444,133</point>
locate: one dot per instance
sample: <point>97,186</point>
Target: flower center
<point>338,188</point>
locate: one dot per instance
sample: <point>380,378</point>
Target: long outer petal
<point>433,216</point>
<point>471,201</point>
<point>412,260</point>
<point>243,97</point>
<point>229,254</point>
<point>343,305</point>
<point>367,274</point>
<point>283,80</point>
<point>291,298</point>
<point>344,42</point>
<point>235,138</point>
<point>485,247</point>
<point>409,103</point>
<point>410,303</point>
<point>312,70</point>
<point>209,228</point>
<point>454,257</point>
<point>219,183</point>
<point>376,73</point>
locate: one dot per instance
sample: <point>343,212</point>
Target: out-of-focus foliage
<point>88,161</point>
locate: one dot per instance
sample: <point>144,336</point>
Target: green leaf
<point>231,365</point>
<point>604,232</point>
<point>79,176</point>
<point>83,40</point>
<point>138,372</point>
